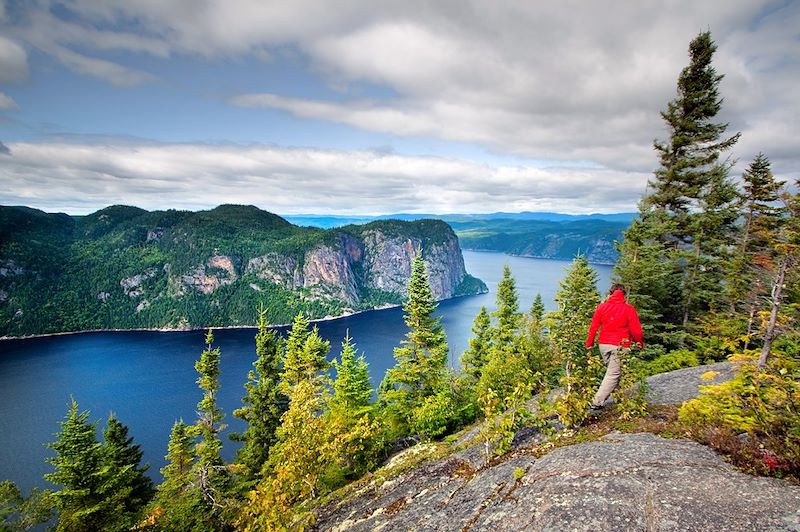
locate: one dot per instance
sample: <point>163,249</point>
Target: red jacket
<point>618,322</point>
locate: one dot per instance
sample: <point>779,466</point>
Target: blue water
<point>148,379</point>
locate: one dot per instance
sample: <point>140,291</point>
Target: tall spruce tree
<point>420,371</point>
<point>475,357</point>
<point>747,283</point>
<point>305,351</point>
<point>103,486</point>
<point>79,472</point>
<point>210,472</point>
<point>180,460</point>
<point>673,257</point>
<point>537,309</point>
<point>303,450</point>
<point>352,390</point>
<point>179,503</point>
<point>507,312</point>
<point>264,403</point>
<point>351,425</point>
<point>127,480</point>
<point>506,367</point>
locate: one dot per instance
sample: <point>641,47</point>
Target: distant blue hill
<point>328,221</point>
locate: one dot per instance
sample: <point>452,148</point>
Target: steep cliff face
<point>128,268</point>
<point>351,266</point>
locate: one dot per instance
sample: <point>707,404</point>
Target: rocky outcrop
<point>132,285</point>
<point>619,482</point>
<point>218,270</point>
<point>275,268</point>
<point>9,268</point>
<point>675,387</point>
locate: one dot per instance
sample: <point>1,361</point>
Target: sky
<point>374,107</point>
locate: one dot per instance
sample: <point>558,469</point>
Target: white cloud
<point>99,68</point>
<point>80,178</point>
<point>7,103</point>
<point>570,81</point>
<point>13,61</point>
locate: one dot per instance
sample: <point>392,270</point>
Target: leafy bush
<point>757,409</point>
<point>630,395</point>
<point>681,358</point>
<point>434,415</point>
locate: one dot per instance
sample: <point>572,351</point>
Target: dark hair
<point>617,286</point>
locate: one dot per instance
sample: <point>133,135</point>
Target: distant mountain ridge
<point>124,268</point>
<point>534,234</point>
<point>328,221</point>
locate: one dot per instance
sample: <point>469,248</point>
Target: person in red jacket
<point>619,327</point>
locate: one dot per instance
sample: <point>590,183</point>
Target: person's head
<point>618,286</point>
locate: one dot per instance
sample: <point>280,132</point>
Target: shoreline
<point>213,328</point>
<point>192,329</point>
<point>533,256</point>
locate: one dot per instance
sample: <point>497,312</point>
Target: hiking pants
<point>611,378</point>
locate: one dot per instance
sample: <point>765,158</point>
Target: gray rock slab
<point>680,385</point>
<point>621,482</point>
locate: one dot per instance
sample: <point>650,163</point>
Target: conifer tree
<point>264,403</point>
<point>128,482</point>
<point>180,460</point>
<point>210,473</point>
<point>506,366</point>
<point>179,504</point>
<point>537,309</point>
<point>577,299</point>
<point>352,390</point>
<point>78,471</point>
<point>420,372</point>
<point>507,313</point>
<point>305,351</point>
<point>687,222</point>
<point>103,486</point>
<point>475,357</point>
<point>350,424</point>
<point>747,282</point>
<point>303,449</point>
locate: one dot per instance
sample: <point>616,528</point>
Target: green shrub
<point>763,404</point>
<point>682,358</point>
<point>434,415</point>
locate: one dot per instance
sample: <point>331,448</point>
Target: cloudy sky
<point>367,107</point>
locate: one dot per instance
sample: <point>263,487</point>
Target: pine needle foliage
<point>419,378</point>
<point>264,404</point>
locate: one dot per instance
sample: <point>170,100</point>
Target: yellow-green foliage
<point>630,396</point>
<point>502,418</point>
<point>580,382</point>
<point>681,358</point>
<point>765,404</point>
<point>434,415</point>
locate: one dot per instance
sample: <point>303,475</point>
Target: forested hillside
<point>595,239</point>
<point>124,267</point>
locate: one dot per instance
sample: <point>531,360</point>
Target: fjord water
<point>147,379</point>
